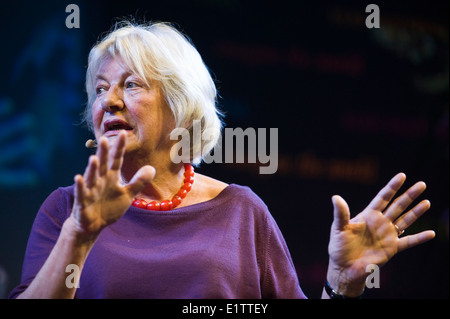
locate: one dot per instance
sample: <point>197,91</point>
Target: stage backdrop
<point>352,106</point>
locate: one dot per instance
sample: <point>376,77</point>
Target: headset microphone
<point>91,144</point>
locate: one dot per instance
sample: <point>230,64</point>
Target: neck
<point>168,179</point>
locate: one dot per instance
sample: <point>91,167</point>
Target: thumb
<point>341,212</point>
<point>142,178</point>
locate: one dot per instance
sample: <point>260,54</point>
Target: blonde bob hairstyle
<point>157,51</point>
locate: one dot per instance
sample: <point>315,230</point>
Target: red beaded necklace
<point>176,199</point>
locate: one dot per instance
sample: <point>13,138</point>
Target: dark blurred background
<point>353,106</point>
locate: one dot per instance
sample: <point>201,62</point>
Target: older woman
<point>139,225</point>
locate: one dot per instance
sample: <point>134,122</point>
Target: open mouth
<point>116,125</point>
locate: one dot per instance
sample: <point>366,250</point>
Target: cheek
<point>97,117</point>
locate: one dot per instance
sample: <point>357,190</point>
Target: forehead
<point>112,66</point>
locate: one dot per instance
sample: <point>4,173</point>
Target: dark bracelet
<point>334,295</point>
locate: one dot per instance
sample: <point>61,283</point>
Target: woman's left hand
<point>372,236</point>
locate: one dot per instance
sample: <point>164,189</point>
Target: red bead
<point>189,179</point>
<point>153,205</point>
<point>188,169</point>
<point>182,193</point>
<point>166,205</point>
<point>140,203</point>
<point>187,187</point>
<point>176,200</point>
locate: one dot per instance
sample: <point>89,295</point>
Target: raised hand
<point>100,196</point>
<point>373,236</point>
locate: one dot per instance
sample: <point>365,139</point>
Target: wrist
<point>76,234</point>
<point>342,284</point>
<point>333,294</point>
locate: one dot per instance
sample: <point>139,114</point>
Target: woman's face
<point>125,102</point>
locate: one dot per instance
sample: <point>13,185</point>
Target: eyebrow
<point>100,77</point>
<point>103,77</point>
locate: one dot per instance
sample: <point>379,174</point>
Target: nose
<point>113,100</point>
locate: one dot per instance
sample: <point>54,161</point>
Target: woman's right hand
<point>100,196</point>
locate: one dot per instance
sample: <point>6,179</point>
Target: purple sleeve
<point>280,278</point>
<point>43,236</point>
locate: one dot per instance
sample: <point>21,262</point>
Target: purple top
<point>227,247</point>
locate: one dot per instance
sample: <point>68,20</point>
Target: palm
<point>364,241</point>
<point>371,237</point>
<point>103,203</point>
<point>100,197</point>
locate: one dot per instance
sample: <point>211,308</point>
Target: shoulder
<point>208,188</point>
<point>247,196</point>
<point>50,217</point>
<point>58,203</point>
<point>64,195</point>
<point>66,191</point>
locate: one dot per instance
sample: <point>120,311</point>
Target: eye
<point>99,90</point>
<point>132,85</point>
